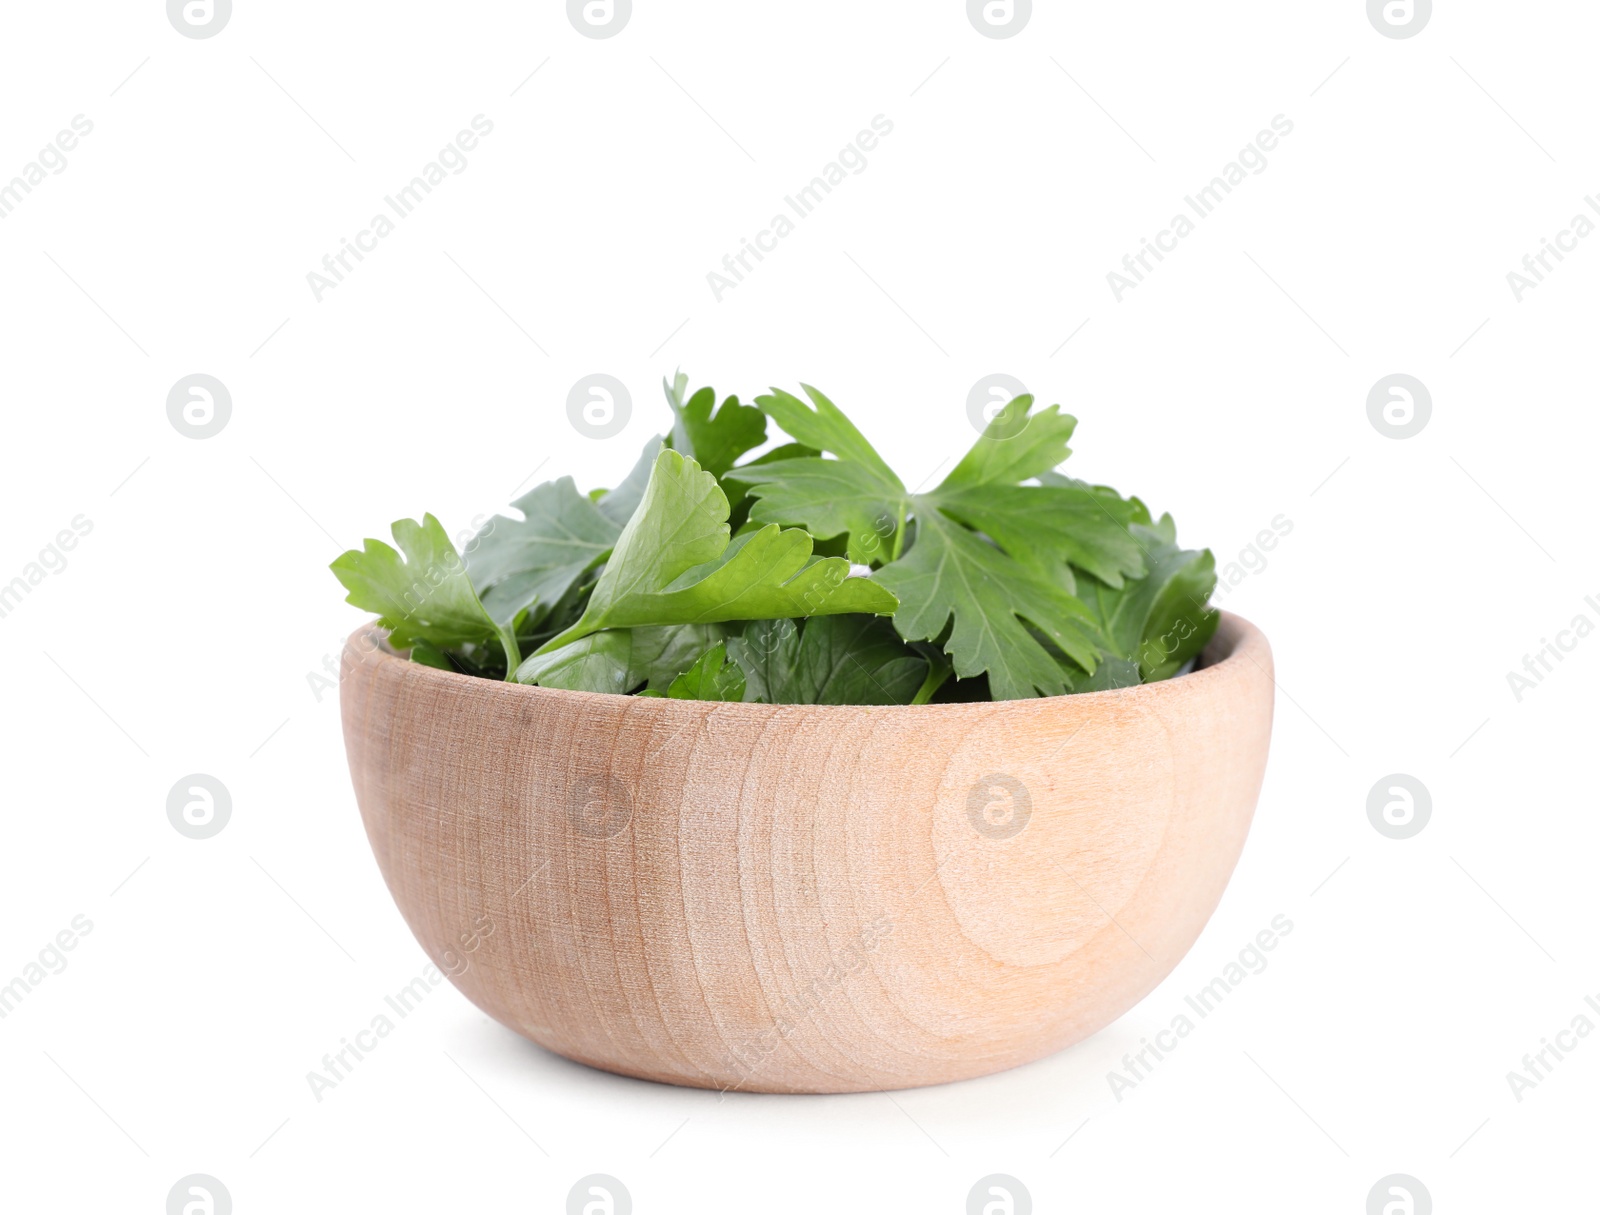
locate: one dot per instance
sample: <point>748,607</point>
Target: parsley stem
<point>937,674</point>
<point>899,534</point>
<point>939,670</point>
<point>508,640</point>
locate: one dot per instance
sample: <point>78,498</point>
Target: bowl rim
<point>1235,644</point>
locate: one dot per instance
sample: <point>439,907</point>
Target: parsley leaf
<point>713,442</point>
<point>681,524</point>
<point>619,504</point>
<point>424,597</point>
<point>431,656</point>
<point>988,552</point>
<point>531,563</point>
<point>830,660</point>
<point>621,660</point>
<point>712,677</point>
<point>953,574</point>
<point>1161,621</point>
<point>1039,525</point>
<point>701,577</point>
<point>830,498</point>
<point>1015,446</point>
<point>824,427</point>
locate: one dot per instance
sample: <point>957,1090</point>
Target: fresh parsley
<point>808,574</point>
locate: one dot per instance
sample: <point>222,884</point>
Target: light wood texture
<point>806,898</point>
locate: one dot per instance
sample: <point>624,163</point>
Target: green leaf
<point>533,630</point>
<point>431,656</point>
<point>766,652</point>
<point>482,659</point>
<point>682,523</point>
<point>1041,526</point>
<point>620,660</point>
<point>772,574</point>
<point>713,677</point>
<point>701,577</point>
<point>826,428</point>
<point>988,553</point>
<point>712,441</point>
<point>1113,672</point>
<point>786,451</point>
<point>831,660</point>
<point>619,504</point>
<point>1015,446</point>
<point>1161,620</point>
<point>1045,526</point>
<point>735,487</point>
<point>830,498</point>
<point>952,575</point>
<point>517,563</point>
<point>425,596</point>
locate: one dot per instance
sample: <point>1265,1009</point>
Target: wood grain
<point>806,898</point>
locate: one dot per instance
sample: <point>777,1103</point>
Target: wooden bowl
<point>806,898</point>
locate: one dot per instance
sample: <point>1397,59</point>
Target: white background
<point>1229,388</point>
